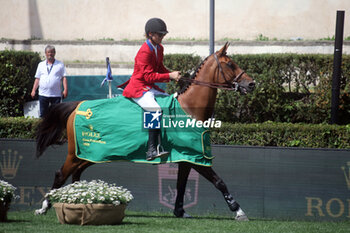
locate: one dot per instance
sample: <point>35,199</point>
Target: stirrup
<point>161,152</point>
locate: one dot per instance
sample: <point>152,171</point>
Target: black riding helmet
<point>155,25</point>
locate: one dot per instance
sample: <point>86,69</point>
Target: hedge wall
<point>18,127</point>
<point>266,134</point>
<point>290,88</point>
<point>17,70</point>
<point>185,63</point>
<point>283,135</point>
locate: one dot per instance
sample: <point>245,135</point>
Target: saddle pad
<point>112,129</point>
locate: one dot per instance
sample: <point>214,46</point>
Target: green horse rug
<point>114,129</point>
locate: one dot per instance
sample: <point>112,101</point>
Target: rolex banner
<point>268,182</point>
<point>117,129</point>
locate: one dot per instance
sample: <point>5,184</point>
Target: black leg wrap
<point>220,185</point>
<point>50,205</point>
<point>58,180</point>
<point>179,212</point>
<point>232,204</point>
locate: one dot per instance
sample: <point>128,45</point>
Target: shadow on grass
<point>147,216</point>
<point>222,218</point>
<point>131,223</point>
<point>9,221</point>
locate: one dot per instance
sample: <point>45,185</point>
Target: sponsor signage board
<point>268,182</point>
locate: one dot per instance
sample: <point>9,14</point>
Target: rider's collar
<point>151,46</point>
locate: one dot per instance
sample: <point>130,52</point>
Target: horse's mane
<point>185,84</point>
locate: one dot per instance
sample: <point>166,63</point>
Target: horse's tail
<point>50,129</point>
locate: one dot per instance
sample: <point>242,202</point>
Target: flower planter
<point>7,194</point>
<point>4,207</point>
<point>94,192</point>
<point>90,214</point>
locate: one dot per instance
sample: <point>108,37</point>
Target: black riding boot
<point>153,145</point>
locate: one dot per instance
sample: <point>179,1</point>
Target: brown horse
<point>197,98</point>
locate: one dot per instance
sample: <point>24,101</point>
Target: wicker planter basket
<point>90,214</point>
<point>4,207</point>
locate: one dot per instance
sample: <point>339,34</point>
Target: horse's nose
<point>251,85</point>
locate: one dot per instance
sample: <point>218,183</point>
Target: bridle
<point>232,86</point>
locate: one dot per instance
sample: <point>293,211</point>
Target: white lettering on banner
<point>334,207</point>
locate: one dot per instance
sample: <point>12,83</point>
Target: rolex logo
<point>347,174</point>
<point>10,163</point>
<point>91,127</point>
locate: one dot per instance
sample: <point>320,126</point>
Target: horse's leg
<point>182,176</point>
<point>70,167</point>
<point>77,173</point>
<point>211,176</point>
<point>71,164</point>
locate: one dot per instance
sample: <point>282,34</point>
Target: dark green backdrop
<point>88,87</point>
<point>268,182</point>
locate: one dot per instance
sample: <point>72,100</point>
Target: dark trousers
<point>45,102</point>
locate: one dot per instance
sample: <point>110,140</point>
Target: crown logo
<point>10,163</point>
<point>347,176</point>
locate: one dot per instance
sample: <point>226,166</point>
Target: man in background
<point>49,77</point>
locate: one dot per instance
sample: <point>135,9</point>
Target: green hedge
<point>266,134</point>
<point>18,127</point>
<point>185,63</point>
<point>17,70</point>
<point>290,88</point>
<point>283,135</point>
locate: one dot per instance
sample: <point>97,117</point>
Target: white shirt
<point>155,49</point>
<point>50,84</point>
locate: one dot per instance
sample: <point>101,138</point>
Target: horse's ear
<point>222,51</point>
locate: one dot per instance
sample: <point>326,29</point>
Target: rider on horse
<point>148,70</point>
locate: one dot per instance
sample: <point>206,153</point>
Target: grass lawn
<point>25,221</point>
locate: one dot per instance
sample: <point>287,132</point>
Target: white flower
<point>91,192</point>
<point>7,192</point>
<point>116,202</point>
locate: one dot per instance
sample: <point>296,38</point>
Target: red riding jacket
<point>148,70</point>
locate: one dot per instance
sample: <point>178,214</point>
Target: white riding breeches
<point>148,102</point>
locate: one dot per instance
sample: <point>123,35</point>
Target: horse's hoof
<point>181,214</point>
<point>40,212</point>
<point>242,218</point>
<point>185,215</point>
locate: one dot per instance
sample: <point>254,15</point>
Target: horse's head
<point>229,72</point>
<point>198,94</point>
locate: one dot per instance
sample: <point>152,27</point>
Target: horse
<point>197,97</point>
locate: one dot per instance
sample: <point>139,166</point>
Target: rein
<point>233,86</point>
